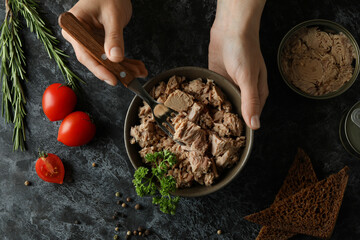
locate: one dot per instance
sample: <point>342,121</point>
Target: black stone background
<point>167,34</point>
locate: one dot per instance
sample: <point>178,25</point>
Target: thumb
<point>114,39</point>
<point>250,102</point>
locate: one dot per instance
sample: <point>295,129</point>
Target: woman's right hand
<point>105,20</point>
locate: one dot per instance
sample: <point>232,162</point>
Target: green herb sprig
<point>27,9</point>
<point>13,62</point>
<point>12,73</point>
<point>145,185</point>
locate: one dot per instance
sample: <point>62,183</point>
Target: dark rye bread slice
<point>301,175</point>
<point>312,210</point>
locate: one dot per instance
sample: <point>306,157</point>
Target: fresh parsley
<point>146,185</point>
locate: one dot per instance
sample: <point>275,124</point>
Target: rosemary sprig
<point>27,9</point>
<point>4,74</point>
<point>12,71</point>
<point>13,62</point>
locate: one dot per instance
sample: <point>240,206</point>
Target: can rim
<point>343,140</point>
<point>336,27</point>
<point>348,118</point>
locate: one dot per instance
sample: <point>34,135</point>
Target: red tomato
<point>58,101</point>
<point>76,129</point>
<point>50,168</point>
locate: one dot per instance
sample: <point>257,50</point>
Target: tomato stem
<point>43,154</point>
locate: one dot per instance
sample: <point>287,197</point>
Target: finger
<point>90,63</point>
<point>263,87</point>
<point>136,67</point>
<point>250,101</point>
<point>221,71</point>
<point>114,40</point>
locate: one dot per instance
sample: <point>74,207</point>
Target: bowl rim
<point>337,27</point>
<point>249,140</point>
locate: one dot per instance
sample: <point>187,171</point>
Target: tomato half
<point>58,101</point>
<point>76,129</point>
<point>50,168</point>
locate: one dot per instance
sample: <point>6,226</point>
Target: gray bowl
<point>233,95</point>
<point>330,27</point>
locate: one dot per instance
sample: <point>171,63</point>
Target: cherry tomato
<point>76,129</point>
<point>50,168</point>
<point>58,101</point>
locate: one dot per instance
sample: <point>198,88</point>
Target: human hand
<point>105,20</point>
<point>234,52</point>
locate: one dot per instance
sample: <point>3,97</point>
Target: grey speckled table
<point>167,34</point>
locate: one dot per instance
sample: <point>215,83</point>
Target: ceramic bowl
<point>330,27</point>
<point>233,95</point>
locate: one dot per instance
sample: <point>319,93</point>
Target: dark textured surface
<point>167,34</point>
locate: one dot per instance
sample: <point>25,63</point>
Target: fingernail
<point>115,52</point>
<point>109,82</point>
<point>255,122</point>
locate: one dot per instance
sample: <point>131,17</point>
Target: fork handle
<point>76,30</point>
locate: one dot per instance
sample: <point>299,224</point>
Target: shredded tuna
<point>204,123</point>
<point>195,111</point>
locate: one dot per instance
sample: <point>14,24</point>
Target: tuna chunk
<point>199,163</point>
<point>195,86</point>
<point>198,89</point>
<point>144,134</point>
<point>233,123</point>
<point>191,134</point>
<point>226,106</point>
<point>227,159</point>
<point>225,149</point>
<point>219,116</point>
<point>219,145</point>
<point>216,96</point>
<point>195,111</point>
<point>144,110</point>
<point>182,174</point>
<point>146,150</point>
<point>159,90</point>
<point>206,121</point>
<point>209,179</point>
<point>221,129</point>
<point>179,101</point>
<point>173,84</point>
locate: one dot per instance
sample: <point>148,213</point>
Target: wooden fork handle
<point>76,29</point>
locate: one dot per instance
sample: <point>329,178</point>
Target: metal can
<point>330,27</point>
<point>349,130</point>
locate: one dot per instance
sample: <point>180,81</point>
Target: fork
<point>75,29</point>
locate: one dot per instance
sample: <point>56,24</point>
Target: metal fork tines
<point>161,113</point>
<point>163,121</point>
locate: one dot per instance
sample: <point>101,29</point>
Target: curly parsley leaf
<point>145,185</point>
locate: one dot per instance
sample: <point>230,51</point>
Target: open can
<point>349,130</point>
